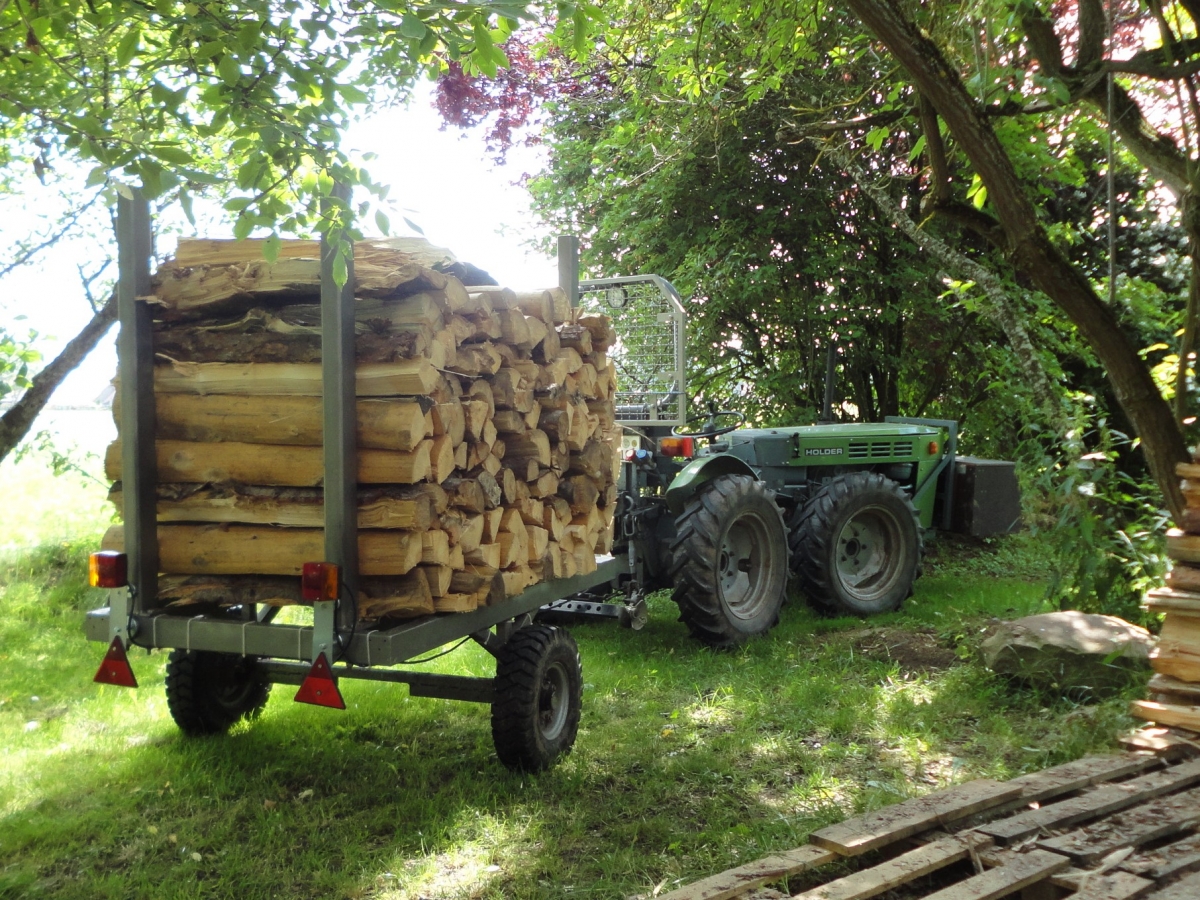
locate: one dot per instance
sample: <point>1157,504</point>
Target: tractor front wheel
<point>856,546</point>
<point>729,561</point>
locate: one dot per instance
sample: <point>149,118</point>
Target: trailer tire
<point>729,561</point>
<point>208,693</point>
<point>857,546</point>
<point>539,697</point>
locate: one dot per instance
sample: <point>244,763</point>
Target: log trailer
<point>719,514</point>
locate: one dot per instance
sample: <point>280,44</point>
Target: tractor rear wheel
<point>729,561</point>
<point>856,546</point>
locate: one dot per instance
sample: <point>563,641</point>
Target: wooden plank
<point>885,826</point>
<point>1163,599</point>
<point>1101,801</point>
<point>901,870</point>
<point>735,882</point>
<point>1162,742</point>
<point>1075,776</point>
<point>1167,684</point>
<point>1108,886</point>
<point>1027,869</point>
<point>1187,889</point>
<point>1167,861</point>
<point>1167,714</point>
<point>1147,822</point>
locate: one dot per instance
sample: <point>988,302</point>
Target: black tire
<point>730,561</point>
<point>539,696</point>
<point>857,545</point>
<point>208,693</point>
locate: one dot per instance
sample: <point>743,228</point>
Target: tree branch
<point>16,422</point>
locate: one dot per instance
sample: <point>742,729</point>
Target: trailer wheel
<point>856,548</point>
<point>729,561</point>
<point>539,696</point>
<point>207,693</point>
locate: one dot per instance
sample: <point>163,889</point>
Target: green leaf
<point>876,137</point>
<point>382,223</point>
<point>340,274</point>
<point>128,47</point>
<point>229,70</point>
<point>271,248</point>
<point>413,225</point>
<point>242,227</point>
<point>412,27</point>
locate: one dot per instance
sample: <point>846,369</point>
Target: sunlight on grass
<point>688,760</point>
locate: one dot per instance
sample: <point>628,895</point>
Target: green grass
<point>688,761</point>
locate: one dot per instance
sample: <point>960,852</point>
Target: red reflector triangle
<point>115,669</point>
<point>319,688</point>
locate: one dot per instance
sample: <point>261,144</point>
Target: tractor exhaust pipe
<point>827,405</point>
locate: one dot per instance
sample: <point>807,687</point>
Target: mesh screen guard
<point>649,354</point>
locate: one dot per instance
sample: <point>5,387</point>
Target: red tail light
<point>115,668</point>
<point>319,688</point>
<point>677,446</point>
<point>108,569</point>
<point>319,581</point>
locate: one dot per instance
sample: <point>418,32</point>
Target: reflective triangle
<point>319,688</point>
<point>115,668</point>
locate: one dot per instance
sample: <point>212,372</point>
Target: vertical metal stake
<point>341,462</point>
<point>135,354</point>
<point>568,266</point>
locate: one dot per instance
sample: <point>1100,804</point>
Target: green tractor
<point>726,516</point>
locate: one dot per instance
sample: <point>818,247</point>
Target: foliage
<point>1103,525</point>
<point>16,356</point>
<point>249,97</point>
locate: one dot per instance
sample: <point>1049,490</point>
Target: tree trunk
<point>1029,247</point>
<point>15,423</point>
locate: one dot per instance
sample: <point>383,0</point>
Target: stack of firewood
<point>1175,687</point>
<point>487,448</point>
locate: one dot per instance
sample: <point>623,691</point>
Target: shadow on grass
<point>688,761</point>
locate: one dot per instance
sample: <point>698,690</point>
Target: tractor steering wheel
<point>709,427</point>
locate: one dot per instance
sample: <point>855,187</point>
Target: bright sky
<point>442,181</point>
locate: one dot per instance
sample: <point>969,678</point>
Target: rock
<point>1068,651</point>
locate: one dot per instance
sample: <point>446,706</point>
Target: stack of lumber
<point>487,448</point>
<point>1100,828</point>
<point>1175,687</point>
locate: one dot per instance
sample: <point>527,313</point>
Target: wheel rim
<point>232,686</point>
<point>744,562</point>
<point>868,553</point>
<point>553,701</point>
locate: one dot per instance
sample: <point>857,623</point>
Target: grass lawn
<point>687,761</point>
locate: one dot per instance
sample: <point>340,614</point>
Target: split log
<point>265,464</point>
<point>265,550</point>
<point>388,507</point>
<point>411,377</point>
<point>382,424</point>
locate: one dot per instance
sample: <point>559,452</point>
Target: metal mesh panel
<point>649,352</point>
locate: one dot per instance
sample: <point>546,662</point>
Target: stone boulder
<point>1072,652</point>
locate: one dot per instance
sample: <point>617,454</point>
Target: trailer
<point>221,666</point>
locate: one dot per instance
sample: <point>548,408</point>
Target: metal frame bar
<point>568,267</point>
<point>340,445</point>
<point>377,647</point>
<point>135,353</point>
<point>947,462</point>
<point>420,684</point>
